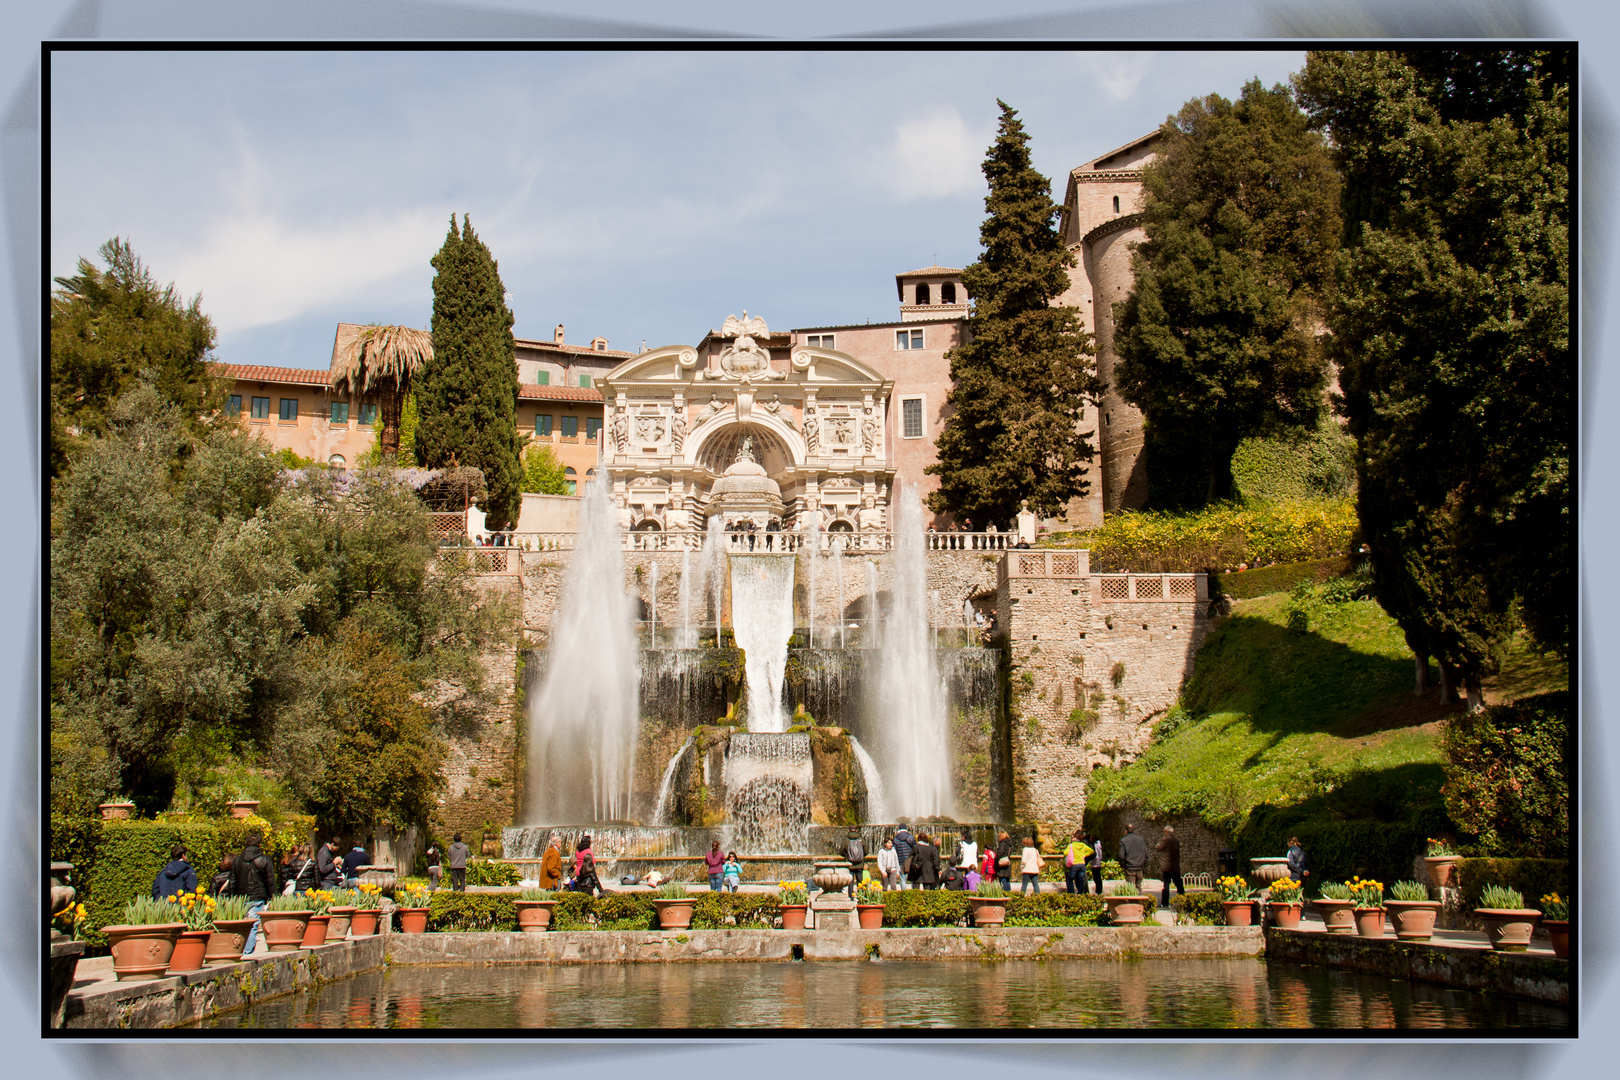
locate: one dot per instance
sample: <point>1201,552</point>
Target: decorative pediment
<point>664,364</point>
<point>830,366</point>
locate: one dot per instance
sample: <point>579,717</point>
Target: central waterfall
<point>762,618</point>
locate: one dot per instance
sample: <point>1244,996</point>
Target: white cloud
<point>1118,74</point>
<point>937,156</point>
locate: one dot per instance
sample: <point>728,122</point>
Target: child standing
<point>1030,866</point>
<point>731,872</point>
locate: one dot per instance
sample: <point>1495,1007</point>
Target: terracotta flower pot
<point>1338,916</point>
<point>1413,919</point>
<point>142,952</point>
<point>225,946</point>
<point>534,916</point>
<point>363,923</point>
<point>115,811</point>
<point>1442,870</point>
<point>1558,931</point>
<point>871,916</point>
<point>988,910</point>
<point>412,920</point>
<point>244,808</point>
<point>338,928</point>
<point>1285,916</point>
<point>1238,912</point>
<point>189,951</point>
<point>793,916</point>
<point>1125,910</point>
<point>284,930</point>
<point>315,931</point>
<point>1508,929</point>
<point>1370,922</point>
<point>674,913</point>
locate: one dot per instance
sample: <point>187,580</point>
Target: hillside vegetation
<point>1300,718</point>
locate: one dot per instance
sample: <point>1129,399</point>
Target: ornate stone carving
<point>743,359</point>
<point>677,429</point>
<point>621,429</point>
<point>841,431</point>
<point>869,433</point>
<point>710,409</point>
<point>650,428</point>
<point>812,433</point>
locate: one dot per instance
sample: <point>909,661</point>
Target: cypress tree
<point>1023,377</point>
<point>1218,339</point>
<point>467,393</point>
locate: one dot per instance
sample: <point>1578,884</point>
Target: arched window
<point>1116,204</point>
<point>922,295</point>
<point>336,461</point>
<point>947,293</point>
<point>569,474</point>
<point>841,526</point>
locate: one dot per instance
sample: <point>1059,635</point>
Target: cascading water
<point>838,561</point>
<point>762,619</point>
<point>812,546</point>
<point>874,617</point>
<point>652,606</point>
<point>686,636</point>
<point>666,787</point>
<point>877,803</point>
<point>583,719</point>
<point>913,739</point>
<point>714,558</point>
<point>768,779</point>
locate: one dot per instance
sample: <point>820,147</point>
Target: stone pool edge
<point>1537,976</point>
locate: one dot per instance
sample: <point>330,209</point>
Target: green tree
<point>1451,328</point>
<point>467,391</point>
<point>383,360</point>
<point>1218,339</point>
<point>543,472</point>
<point>1025,373</point>
<point>110,327</point>
<point>1508,772</point>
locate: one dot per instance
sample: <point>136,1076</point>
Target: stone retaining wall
<point>1541,977</point>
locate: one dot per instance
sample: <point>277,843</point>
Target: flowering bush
<point>794,892</point>
<point>1554,907</point>
<point>69,919</point>
<point>1224,537</point>
<point>1508,776</point>
<point>368,897</point>
<point>1366,894</point>
<point>1438,848</point>
<point>411,895</point>
<point>869,892</point>
<point>195,909</point>
<point>1287,891</point>
<point>1233,888</point>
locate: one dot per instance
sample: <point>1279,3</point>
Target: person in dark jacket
<point>1096,861</point>
<point>855,852</point>
<point>1298,868</point>
<point>951,878</point>
<point>1133,856</point>
<point>1004,854</point>
<point>326,862</point>
<point>925,863</point>
<point>905,846</point>
<point>1170,865</point>
<point>353,862</point>
<point>458,864</point>
<point>306,874</point>
<point>175,878</point>
<point>255,878</point>
<point>224,877</point>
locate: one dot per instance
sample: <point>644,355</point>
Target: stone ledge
<point>179,999</point>
<point>1464,966</point>
<point>921,943</point>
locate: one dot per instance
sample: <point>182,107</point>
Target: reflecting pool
<point>1152,993</point>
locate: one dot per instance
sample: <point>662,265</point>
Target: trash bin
<point>1229,862</point>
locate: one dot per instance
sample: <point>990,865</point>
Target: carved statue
<point>775,404</point>
<point>621,429</point>
<point>746,453</point>
<point>744,328</point>
<point>743,358</point>
<point>650,429</point>
<point>869,433</point>
<point>812,433</point>
<point>677,430</point>
<point>711,408</point>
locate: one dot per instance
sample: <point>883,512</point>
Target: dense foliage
<point>1294,465</point>
<point>1222,537</point>
<point>1508,773</point>
<point>1022,379</point>
<point>1532,878</point>
<point>112,327</point>
<point>491,872</point>
<point>1199,908</point>
<point>543,472</point>
<point>1451,329</point>
<point>1218,338</point>
<point>467,391</point>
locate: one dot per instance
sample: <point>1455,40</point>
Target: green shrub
<point>752,910</point>
<point>1529,877</point>
<point>1368,847</point>
<point>1500,898</point>
<point>1055,909</point>
<point>1508,776</point>
<point>450,911</point>
<point>925,907</point>
<point>1217,537</point>
<point>76,840</point>
<point>1408,891</point>
<point>1112,870</point>
<point>128,858</point>
<point>625,911</point>
<point>490,872</point>
<point>1248,584</point>
<point>1199,908</point>
<point>1296,465</point>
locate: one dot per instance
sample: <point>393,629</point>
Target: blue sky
<point>640,195</point>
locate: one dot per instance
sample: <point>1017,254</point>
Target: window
<point>234,405</point>
<point>336,461</point>
<point>570,426</point>
<point>542,424</point>
<point>569,474</point>
<point>819,341</point>
<point>911,418</point>
<point>585,382</point>
<point>593,424</point>
<point>340,412</point>
<point>368,414</point>
<point>947,293</point>
<point>261,408</point>
<point>542,378</point>
<point>289,408</point>
<point>922,295</point>
<point>908,339</point>
<point>1116,204</point>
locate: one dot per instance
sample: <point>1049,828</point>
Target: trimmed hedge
<point>925,907</point>
<point>747,910</point>
<point>1340,850</point>
<point>453,912</point>
<point>490,872</point>
<point>450,911</point>
<point>1534,878</point>
<point>1056,909</point>
<point>1200,908</point>
<point>1248,584</point>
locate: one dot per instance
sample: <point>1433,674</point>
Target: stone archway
<point>720,448</point>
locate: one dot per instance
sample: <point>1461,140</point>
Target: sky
<point>637,195</point>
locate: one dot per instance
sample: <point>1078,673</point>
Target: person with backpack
<point>1074,863</point>
<point>855,852</point>
<point>255,878</point>
<point>905,848</point>
<point>175,878</point>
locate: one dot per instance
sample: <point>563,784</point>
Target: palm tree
<point>384,360</point>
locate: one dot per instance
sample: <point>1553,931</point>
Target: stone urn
<point>1338,916</point>
<point>833,876</point>
<point>1508,929</point>
<point>381,876</point>
<point>242,808</point>
<point>315,930</point>
<point>988,910</point>
<point>142,952</point>
<point>363,923</point>
<point>338,928</point>
<point>1370,922</point>
<point>1442,870</point>
<point>534,916</point>
<point>284,930</point>
<point>1268,870</point>
<point>674,913</point>
<point>227,942</point>
<point>116,811</point>
<point>1126,910</point>
<point>1558,935</point>
<point>1413,919</point>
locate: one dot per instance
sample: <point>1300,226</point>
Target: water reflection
<point>1172,994</point>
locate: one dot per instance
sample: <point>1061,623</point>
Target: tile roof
<point>264,373</point>
<point>574,350</point>
<point>530,392</point>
